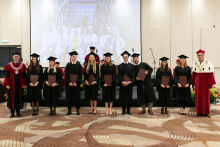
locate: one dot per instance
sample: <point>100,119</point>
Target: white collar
<point>74,62</point>
<point>15,62</point>
<point>137,64</point>
<point>125,62</point>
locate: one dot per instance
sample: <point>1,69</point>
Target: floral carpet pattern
<point>116,130</point>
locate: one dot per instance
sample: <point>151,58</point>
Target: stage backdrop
<point>61,26</point>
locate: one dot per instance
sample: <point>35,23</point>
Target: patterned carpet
<point>109,130</point>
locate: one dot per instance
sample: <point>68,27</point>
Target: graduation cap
<point>108,54</point>
<point>16,53</point>
<point>200,51</point>
<point>125,52</point>
<point>182,57</point>
<point>102,60</point>
<point>164,59</point>
<point>51,58</point>
<point>34,55</point>
<point>73,53</point>
<point>135,55</point>
<point>58,63</point>
<point>93,54</point>
<point>92,47</point>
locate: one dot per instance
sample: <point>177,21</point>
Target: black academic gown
<point>34,93</point>
<point>183,93</point>
<point>125,94</point>
<point>91,92</point>
<point>108,93</point>
<point>149,95</point>
<point>73,94</point>
<point>52,94</point>
<point>164,93</point>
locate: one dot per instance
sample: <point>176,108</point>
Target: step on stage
<point>116,130</point>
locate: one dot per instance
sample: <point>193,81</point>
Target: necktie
<point>126,64</point>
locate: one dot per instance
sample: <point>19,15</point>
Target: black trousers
<point>17,111</point>
<point>77,106</point>
<point>182,103</point>
<point>126,105</point>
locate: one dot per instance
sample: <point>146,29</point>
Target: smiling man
<point>202,79</point>
<point>15,80</point>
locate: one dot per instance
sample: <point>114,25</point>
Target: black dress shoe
<point>129,113</point>
<point>12,115</point>
<point>77,112</point>
<point>69,112</point>
<point>123,113</point>
<point>162,111</point>
<point>51,113</point>
<point>19,115</point>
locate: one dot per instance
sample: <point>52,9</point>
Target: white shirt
<point>74,62</point>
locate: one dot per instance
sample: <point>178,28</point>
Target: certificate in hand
<point>165,80</point>
<point>183,80</point>
<point>34,79</point>
<point>108,79</point>
<point>126,78</point>
<point>51,79</point>
<point>73,78</point>
<point>141,74</point>
<point>90,79</point>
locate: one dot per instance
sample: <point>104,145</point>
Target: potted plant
<point>214,95</point>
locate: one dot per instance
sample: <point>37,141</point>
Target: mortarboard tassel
<point>54,62</point>
<point>159,62</point>
<point>39,58</point>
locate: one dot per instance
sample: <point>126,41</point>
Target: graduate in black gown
<point>145,90</point>
<point>51,93</point>
<point>164,92</point>
<point>126,88</point>
<point>108,91</point>
<point>73,90</point>
<point>91,90</point>
<point>15,80</point>
<point>34,89</point>
<point>183,93</point>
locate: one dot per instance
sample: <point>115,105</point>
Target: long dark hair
<point>32,64</point>
<point>167,69</point>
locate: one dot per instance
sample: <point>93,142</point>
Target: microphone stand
<point>154,67</point>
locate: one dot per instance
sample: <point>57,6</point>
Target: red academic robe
<point>62,74</point>
<point>202,93</point>
<point>9,80</point>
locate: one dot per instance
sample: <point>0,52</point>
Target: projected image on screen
<point>61,26</point>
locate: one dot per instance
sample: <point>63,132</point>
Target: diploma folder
<point>108,79</point>
<point>126,78</point>
<point>165,80</point>
<point>73,78</point>
<point>141,74</point>
<point>51,79</point>
<point>183,80</point>
<point>90,79</point>
<point>34,79</point>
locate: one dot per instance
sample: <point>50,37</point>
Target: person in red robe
<point>15,80</point>
<point>92,49</point>
<point>202,80</point>
<point>62,74</point>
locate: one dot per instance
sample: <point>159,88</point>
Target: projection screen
<point>61,26</point>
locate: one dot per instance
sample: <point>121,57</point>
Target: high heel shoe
<point>36,112</point>
<point>162,111</point>
<point>92,111</point>
<point>96,112</point>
